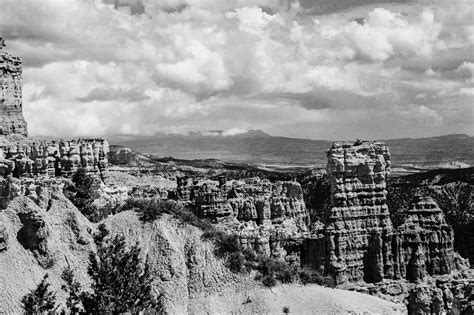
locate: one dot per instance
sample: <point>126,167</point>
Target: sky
<point>317,69</point>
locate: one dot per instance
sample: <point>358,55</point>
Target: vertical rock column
<point>423,243</point>
<point>11,106</point>
<point>358,231</point>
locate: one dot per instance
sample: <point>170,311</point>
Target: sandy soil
<point>299,299</point>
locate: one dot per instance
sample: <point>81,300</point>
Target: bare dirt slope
<point>299,299</point>
<point>36,248</point>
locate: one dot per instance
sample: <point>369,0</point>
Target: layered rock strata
<point>55,158</point>
<point>250,199</point>
<point>423,244</point>
<point>359,242</point>
<point>11,115</point>
<point>358,231</point>
<point>269,218</point>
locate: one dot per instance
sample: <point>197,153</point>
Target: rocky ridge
<point>11,114</point>
<point>359,241</point>
<point>269,218</point>
<point>359,244</point>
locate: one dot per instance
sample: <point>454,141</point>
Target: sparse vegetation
<point>40,300</point>
<point>308,276</point>
<point>81,195</point>
<point>152,209</point>
<point>227,245</point>
<point>119,281</point>
<point>73,289</point>
<point>272,269</point>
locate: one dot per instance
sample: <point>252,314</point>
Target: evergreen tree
<point>73,288</point>
<point>119,282</point>
<point>39,300</point>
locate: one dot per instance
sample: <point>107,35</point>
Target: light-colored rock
<point>11,115</point>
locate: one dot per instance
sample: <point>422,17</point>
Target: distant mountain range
<point>450,151</point>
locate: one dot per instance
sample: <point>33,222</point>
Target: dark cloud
<point>136,6</point>
<point>114,94</point>
<point>328,6</point>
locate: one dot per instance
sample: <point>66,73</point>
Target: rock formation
<point>269,218</point>
<point>359,242</point>
<point>249,199</point>
<point>55,158</point>
<point>11,114</point>
<point>30,158</point>
<point>358,227</point>
<point>423,244</point>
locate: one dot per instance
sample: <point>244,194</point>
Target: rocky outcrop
<point>11,115</point>
<point>120,156</point>
<point>269,218</point>
<point>359,242</point>
<point>184,189</point>
<point>3,237</point>
<point>452,190</point>
<point>423,244</point>
<point>38,189</point>
<point>358,231</point>
<point>444,294</point>
<point>211,201</point>
<point>250,199</point>
<point>55,158</point>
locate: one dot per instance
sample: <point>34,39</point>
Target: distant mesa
<point>234,132</point>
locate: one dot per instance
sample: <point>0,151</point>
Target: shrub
<point>287,274</point>
<point>119,282</point>
<point>308,275</point>
<point>286,309</point>
<point>278,269</point>
<point>269,280</point>
<point>226,244</point>
<point>236,262</point>
<point>40,300</point>
<point>152,209</point>
<point>73,289</point>
<point>82,196</point>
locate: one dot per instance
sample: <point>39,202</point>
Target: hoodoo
<point>11,114</point>
<point>359,227</point>
<point>360,242</point>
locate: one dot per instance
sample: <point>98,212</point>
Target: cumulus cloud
<point>133,66</point>
<point>466,69</point>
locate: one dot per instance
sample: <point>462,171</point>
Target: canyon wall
<point>55,158</point>
<point>11,114</point>
<point>269,218</point>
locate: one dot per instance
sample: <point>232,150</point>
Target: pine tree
<point>41,299</point>
<point>119,282</point>
<point>73,288</point>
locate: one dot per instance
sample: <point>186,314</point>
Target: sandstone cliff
<point>359,241</point>
<point>358,230</point>
<point>55,158</point>
<point>11,114</point>
<point>269,218</point>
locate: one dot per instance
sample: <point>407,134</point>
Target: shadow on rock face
<point>32,236</point>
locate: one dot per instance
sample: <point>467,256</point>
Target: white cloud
<point>234,131</point>
<point>189,64</point>
<point>466,69</point>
